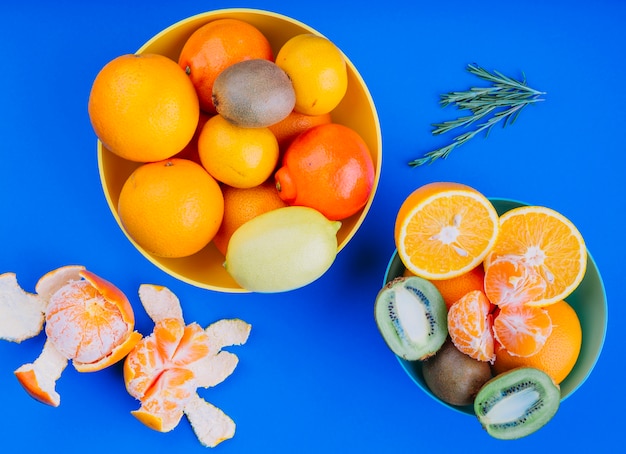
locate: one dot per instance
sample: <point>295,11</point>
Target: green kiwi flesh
<point>412,317</point>
<point>453,376</point>
<point>517,403</point>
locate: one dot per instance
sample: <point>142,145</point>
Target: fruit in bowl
<point>533,307</point>
<point>222,127</point>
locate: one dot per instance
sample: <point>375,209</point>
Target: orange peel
<point>87,320</point>
<point>166,368</point>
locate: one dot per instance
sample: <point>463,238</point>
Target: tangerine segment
<point>21,312</point>
<point>559,354</point>
<point>39,378</point>
<point>510,281</point>
<point>522,330</point>
<point>444,229</point>
<point>470,325</point>
<point>547,241</point>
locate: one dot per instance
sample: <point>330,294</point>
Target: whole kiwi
<point>453,376</point>
<point>253,94</point>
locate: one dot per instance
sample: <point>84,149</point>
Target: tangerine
<point>237,156</point>
<point>294,124</point>
<point>243,204</point>
<point>560,352</point>
<point>171,208</point>
<point>546,241</point>
<point>215,46</point>
<point>470,323</point>
<point>455,288</point>
<point>329,168</point>
<point>143,107</point>
<point>191,150</point>
<point>445,229</point>
<point>510,281</point>
<point>521,329</point>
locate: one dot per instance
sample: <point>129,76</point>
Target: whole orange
<point>560,352</point>
<point>243,204</point>
<point>143,107</point>
<point>294,124</point>
<point>191,149</point>
<point>215,46</point>
<point>328,167</point>
<point>171,208</point>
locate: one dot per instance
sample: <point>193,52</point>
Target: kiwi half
<point>412,317</point>
<point>517,403</point>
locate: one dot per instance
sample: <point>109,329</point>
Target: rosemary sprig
<point>501,102</point>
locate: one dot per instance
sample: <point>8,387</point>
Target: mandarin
<point>445,229</point>
<point>470,323</point>
<point>171,208</point>
<point>455,288</point>
<point>329,168</point>
<point>143,107</point>
<point>294,124</point>
<point>236,156</point>
<point>214,47</point>
<point>560,352</point>
<point>522,329</point>
<point>243,204</point>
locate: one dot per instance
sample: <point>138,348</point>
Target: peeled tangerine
<point>282,249</point>
<point>165,369</point>
<point>87,320</point>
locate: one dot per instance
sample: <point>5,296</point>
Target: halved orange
<point>445,229</point>
<point>470,326</point>
<point>546,241</point>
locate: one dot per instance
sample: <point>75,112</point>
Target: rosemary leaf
<point>503,100</point>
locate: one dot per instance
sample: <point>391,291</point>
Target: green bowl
<point>588,300</point>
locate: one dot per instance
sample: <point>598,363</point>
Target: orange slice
<point>510,281</point>
<point>21,312</point>
<point>165,369</point>
<point>470,326</point>
<point>522,330</point>
<point>546,241</point>
<point>444,230</point>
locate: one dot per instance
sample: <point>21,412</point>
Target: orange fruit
<point>294,124</point>
<point>143,107</point>
<point>546,241</point>
<point>444,230</point>
<point>317,70</point>
<point>521,329</point>
<point>470,326</point>
<point>236,156</point>
<point>243,204</point>
<point>88,321</point>
<point>215,46</point>
<point>166,368</point>
<point>191,149</point>
<point>329,168</point>
<point>510,281</point>
<point>455,288</point>
<point>171,208</point>
<point>561,350</point>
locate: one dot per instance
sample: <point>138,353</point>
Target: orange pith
<point>522,330</point>
<point>561,350</point>
<point>546,241</point>
<point>470,326</point>
<point>445,229</point>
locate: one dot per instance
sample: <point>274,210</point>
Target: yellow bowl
<point>356,110</point>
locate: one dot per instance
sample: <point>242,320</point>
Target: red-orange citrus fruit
<point>329,168</point>
<point>171,208</point>
<point>215,46</point>
<point>560,352</point>
<point>444,230</point>
<point>295,124</point>
<point>143,107</point>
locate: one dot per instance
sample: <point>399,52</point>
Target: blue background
<point>315,375</point>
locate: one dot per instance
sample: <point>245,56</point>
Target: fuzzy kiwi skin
<point>253,94</point>
<point>453,376</point>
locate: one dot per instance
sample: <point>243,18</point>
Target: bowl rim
<point>468,409</point>
<point>359,217</point>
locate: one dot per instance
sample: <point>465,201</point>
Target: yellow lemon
<point>317,70</point>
